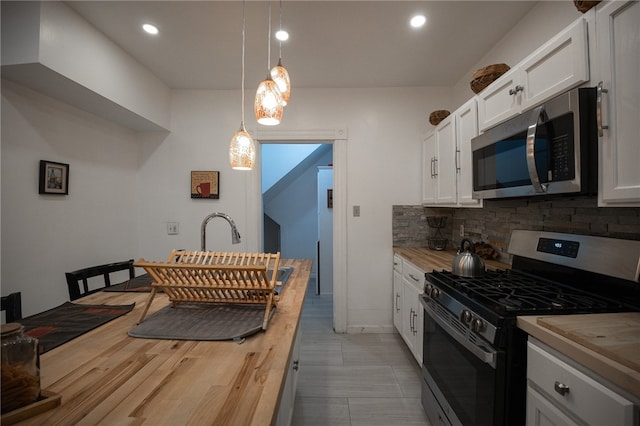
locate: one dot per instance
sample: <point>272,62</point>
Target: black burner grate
<point>510,293</point>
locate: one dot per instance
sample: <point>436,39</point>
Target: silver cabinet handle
<point>538,117</point>
<point>561,388</point>
<point>415,327</point>
<point>435,166</point>
<point>397,297</point>
<point>457,160</point>
<point>414,278</point>
<point>517,89</point>
<point>296,365</point>
<point>432,161</point>
<point>599,92</point>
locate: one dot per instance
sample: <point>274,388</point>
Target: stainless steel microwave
<point>549,150</point>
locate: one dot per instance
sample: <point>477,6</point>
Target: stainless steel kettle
<point>467,263</point>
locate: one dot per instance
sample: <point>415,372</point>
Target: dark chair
<point>82,275</point>
<point>12,305</point>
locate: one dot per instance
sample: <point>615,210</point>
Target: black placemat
<point>56,326</point>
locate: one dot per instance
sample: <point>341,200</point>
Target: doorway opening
<point>296,186</point>
<point>339,139</point>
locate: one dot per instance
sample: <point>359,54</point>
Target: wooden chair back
<point>77,280</point>
<point>12,305</point>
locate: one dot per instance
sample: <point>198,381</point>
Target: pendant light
<point>279,73</point>
<point>242,148</point>
<point>268,105</point>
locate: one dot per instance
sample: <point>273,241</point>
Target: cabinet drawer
<point>583,396</point>
<point>413,275</point>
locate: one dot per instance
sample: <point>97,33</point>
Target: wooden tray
<point>47,401</point>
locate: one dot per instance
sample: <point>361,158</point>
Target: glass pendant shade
<point>268,105</point>
<point>280,75</point>
<point>242,150</point>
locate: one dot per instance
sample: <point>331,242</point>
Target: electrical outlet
<point>356,211</point>
<point>462,230</point>
<point>173,228</point>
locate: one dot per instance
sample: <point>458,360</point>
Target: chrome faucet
<point>235,235</point>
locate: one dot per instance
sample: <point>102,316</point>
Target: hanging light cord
<point>280,41</point>
<point>242,84</point>
<point>269,42</point>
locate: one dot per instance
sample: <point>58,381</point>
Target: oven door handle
<point>488,357</point>
<point>539,116</point>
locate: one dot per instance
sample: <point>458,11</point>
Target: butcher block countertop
<point>607,344</point>
<point>106,377</point>
<point>430,260</point>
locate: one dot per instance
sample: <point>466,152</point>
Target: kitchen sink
<point>283,274</point>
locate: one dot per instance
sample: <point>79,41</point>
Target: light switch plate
<point>356,211</point>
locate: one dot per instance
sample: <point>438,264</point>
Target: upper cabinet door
<point>557,66</point>
<point>618,47</point>
<point>498,102</point>
<point>467,129</point>
<point>560,64</point>
<point>428,169</point>
<point>445,161</point>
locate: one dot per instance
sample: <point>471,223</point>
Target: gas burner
<point>510,304</point>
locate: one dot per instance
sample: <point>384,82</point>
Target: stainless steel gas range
<point>474,367</point>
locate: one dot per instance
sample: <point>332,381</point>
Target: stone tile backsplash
<point>493,223</point>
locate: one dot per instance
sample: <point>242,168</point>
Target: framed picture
<point>205,185</point>
<point>54,178</point>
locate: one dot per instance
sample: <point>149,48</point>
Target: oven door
<point>464,377</point>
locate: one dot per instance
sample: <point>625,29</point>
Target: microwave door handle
<point>539,116</point>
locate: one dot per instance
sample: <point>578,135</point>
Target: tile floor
<point>353,379</point>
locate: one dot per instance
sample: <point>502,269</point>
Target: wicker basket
<point>584,5</point>
<point>437,221</point>
<point>487,75</point>
<point>437,116</point>
<point>437,243</point>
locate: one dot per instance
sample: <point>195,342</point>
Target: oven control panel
<point>559,247</point>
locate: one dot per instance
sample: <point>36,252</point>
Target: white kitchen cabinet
<point>428,166</point>
<point>288,397</point>
<point>447,179</point>
<point>397,293</point>
<point>558,65</point>
<point>445,170</point>
<point>561,393</point>
<point>408,314</point>
<point>466,129</point>
<point>618,68</point>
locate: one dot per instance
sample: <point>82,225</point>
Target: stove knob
<point>465,316</point>
<point>435,293</point>
<point>477,325</point>
<point>427,289</point>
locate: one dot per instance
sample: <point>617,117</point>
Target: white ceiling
<point>332,44</point>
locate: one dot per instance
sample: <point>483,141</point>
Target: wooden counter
<point>620,375</point>
<point>107,377</point>
<point>429,260</point>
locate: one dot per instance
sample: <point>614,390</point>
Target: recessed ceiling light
<point>151,29</point>
<point>418,21</point>
<point>282,35</point>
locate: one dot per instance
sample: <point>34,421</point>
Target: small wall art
<point>205,184</point>
<point>54,178</point>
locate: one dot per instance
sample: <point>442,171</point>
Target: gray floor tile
<point>321,412</point>
<point>386,411</point>
<point>353,379</point>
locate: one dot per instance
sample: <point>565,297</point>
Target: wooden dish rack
<point>215,277</point>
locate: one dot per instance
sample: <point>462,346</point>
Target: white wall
<point>44,236</point>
